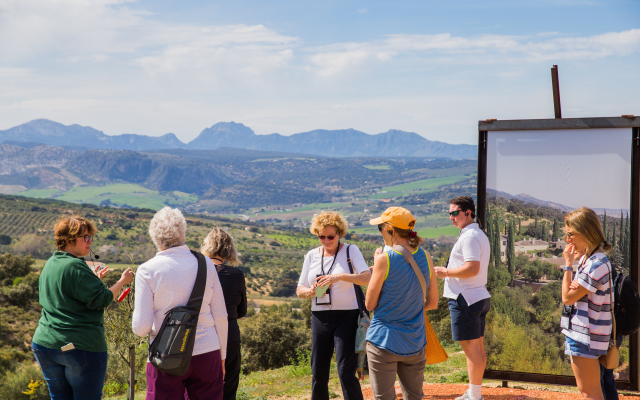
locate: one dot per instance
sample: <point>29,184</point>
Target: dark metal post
<point>132,372</point>
<point>634,267</point>
<point>481,199</point>
<point>556,91</point>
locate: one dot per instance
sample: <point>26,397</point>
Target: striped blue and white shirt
<point>591,322</point>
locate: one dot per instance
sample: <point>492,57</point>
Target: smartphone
<point>321,290</point>
<point>67,347</point>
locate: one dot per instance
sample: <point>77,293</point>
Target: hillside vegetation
<point>225,180</point>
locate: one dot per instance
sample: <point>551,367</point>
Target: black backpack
<point>172,348</point>
<point>626,305</point>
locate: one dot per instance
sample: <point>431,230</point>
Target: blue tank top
<point>398,320</point>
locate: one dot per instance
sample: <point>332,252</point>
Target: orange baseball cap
<point>398,217</point>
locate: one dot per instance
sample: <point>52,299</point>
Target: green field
<point>429,233</point>
<point>378,166</point>
<point>39,193</point>
<point>119,193</point>
<point>424,185</point>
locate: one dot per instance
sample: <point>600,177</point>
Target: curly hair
<point>219,243</point>
<point>69,227</point>
<point>168,228</point>
<point>328,218</point>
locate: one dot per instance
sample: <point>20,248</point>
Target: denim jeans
<point>73,374</point>
<point>607,380</point>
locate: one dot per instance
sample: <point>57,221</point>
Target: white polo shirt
<point>472,245</point>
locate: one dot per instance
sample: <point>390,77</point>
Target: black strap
<point>197,293</point>
<point>359,294</point>
<point>335,257</point>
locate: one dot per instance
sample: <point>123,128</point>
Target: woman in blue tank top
<point>396,338</point>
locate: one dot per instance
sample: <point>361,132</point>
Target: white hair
<point>168,228</point>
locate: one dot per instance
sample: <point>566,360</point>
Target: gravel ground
<point>490,391</point>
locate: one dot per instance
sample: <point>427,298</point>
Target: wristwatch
<point>565,268</point>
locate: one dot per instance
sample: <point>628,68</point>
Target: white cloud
<point>482,49</point>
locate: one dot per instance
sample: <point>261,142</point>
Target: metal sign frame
<point>634,268</point>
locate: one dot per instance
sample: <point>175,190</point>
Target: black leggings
<point>232,371</point>
<point>329,330</point>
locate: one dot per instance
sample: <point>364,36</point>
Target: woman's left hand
<point>102,272</point>
<point>330,279</point>
<point>574,285</point>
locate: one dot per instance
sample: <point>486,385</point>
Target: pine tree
<point>519,226</point>
<point>496,244</point>
<point>489,225</point>
<point>554,231</point>
<point>613,234</point>
<point>511,252</point>
<point>604,226</point>
<point>535,223</point>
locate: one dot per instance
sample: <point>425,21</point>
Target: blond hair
<point>328,218</point>
<point>219,243</point>
<point>69,227</point>
<point>585,222</point>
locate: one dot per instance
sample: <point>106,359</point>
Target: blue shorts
<point>467,321</point>
<point>577,349</point>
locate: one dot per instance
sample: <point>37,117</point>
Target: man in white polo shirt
<point>465,277</point>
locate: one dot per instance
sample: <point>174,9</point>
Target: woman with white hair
<point>165,282</point>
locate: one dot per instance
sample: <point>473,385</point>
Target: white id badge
<point>324,300</point>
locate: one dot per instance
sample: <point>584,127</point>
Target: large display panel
<point>530,174</point>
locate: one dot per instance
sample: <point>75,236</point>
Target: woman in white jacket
<point>165,282</point>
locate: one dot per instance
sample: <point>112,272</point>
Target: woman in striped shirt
<point>588,327</point>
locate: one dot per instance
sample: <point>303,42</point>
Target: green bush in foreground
<point>27,383</point>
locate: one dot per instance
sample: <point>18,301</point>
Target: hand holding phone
<point>321,290</point>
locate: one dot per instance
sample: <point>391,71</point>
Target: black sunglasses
<point>456,212</point>
<point>330,237</point>
<point>380,227</point>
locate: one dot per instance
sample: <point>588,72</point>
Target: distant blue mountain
<point>333,143</point>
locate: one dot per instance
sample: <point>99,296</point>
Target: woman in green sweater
<point>69,343</point>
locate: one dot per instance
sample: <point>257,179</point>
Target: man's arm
<point>468,270</point>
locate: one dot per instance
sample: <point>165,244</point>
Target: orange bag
<point>433,350</point>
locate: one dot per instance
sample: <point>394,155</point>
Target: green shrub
<point>270,340</point>
<point>17,281</point>
<point>12,266</point>
<point>27,383</point>
<point>20,295</point>
<point>301,364</point>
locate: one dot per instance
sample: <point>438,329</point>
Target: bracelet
<point>447,272</point>
<point>567,268</point>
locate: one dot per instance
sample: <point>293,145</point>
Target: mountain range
<point>332,143</point>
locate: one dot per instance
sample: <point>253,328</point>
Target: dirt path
<point>438,391</point>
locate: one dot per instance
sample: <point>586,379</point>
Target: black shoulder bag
<point>172,348</point>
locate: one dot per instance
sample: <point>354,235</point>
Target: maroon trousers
<point>203,380</point>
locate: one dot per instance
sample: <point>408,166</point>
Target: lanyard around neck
<point>334,260</point>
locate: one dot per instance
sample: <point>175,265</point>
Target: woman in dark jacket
<point>219,247</point>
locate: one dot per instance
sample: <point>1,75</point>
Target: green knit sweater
<point>73,300</point>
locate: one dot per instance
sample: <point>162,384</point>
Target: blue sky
<point>430,67</point>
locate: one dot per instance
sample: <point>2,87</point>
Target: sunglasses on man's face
<point>456,212</point>
<point>328,237</point>
<point>87,238</point>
